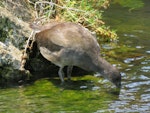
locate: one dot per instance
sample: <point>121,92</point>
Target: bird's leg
<point>61,74</point>
<point>69,71</point>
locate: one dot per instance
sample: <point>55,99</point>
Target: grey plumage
<point>70,44</point>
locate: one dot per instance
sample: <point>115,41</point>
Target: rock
<point>14,31</point>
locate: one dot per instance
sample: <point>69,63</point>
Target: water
<point>134,31</point>
<point>89,94</point>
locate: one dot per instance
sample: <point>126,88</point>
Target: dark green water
<point>89,94</point>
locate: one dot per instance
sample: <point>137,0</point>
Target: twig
<point>10,1</point>
<point>31,35</point>
<point>52,4</point>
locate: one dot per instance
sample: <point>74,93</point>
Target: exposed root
<point>25,52</point>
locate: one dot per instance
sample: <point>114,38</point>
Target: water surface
<point>133,28</point>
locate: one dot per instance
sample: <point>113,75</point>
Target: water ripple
<point>137,84</point>
<point>129,60</point>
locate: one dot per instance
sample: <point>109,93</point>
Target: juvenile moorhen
<point>70,44</point>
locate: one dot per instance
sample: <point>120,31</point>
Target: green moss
<point>67,99</point>
<point>132,4</point>
<point>9,32</point>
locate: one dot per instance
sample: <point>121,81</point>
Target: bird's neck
<point>104,67</point>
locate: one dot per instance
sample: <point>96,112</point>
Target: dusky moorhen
<point>70,44</point>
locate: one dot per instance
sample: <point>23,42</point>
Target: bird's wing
<point>69,36</point>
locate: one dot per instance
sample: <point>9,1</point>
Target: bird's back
<point>69,35</point>
<point>68,43</point>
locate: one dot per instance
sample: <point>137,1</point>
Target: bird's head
<point>115,78</point>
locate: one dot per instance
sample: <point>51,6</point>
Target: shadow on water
<point>82,85</point>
